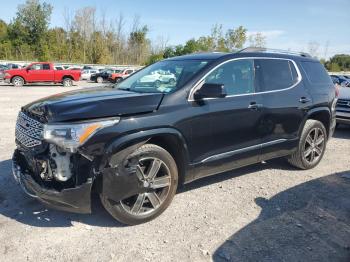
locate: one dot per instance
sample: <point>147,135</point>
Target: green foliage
<point>219,41</point>
<point>3,30</point>
<point>257,40</point>
<point>84,39</point>
<point>154,58</point>
<point>338,63</point>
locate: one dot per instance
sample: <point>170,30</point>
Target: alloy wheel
<point>17,81</point>
<point>314,145</point>
<point>155,177</point>
<point>67,82</point>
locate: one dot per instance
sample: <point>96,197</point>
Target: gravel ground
<point>268,212</point>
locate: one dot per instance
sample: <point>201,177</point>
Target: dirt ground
<point>266,212</point>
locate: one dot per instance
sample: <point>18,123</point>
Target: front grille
<point>343,103</point>
<point>29,131</point>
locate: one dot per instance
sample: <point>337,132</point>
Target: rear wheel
<point>157,171</point>
<point>18,81</point>
<point>312,145</point>
<point>67,82</point>
<point>99,79</point>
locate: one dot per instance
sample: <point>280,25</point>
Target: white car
<point>159,77</point>
<point>86,74</point>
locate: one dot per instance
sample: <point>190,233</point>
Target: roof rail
<point>268,50</point>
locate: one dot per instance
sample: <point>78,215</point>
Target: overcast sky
<point>286,24</point>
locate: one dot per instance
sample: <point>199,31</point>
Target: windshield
<point>162,77</point>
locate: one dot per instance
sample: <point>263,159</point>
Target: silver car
<point>343,106</point>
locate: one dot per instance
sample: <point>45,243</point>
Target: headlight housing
<point>73,135</point>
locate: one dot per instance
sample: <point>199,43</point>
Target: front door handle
<point>304,100</point>
<point>255,106</point>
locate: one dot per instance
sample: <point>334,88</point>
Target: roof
<point>247,52</point>
<point>200,56</point>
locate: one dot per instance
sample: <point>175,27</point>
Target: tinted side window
<point>237,77</point>
<point>46,66</point>
<point>275,74</point>
<point>316,72</point>
<point>37,67</point>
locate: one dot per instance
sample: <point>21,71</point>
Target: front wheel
<point>99,79</point>
<point>312,145</point>
<point>157,171</point>
<point>18,81</point>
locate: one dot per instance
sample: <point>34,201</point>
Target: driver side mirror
<point>208,90</point>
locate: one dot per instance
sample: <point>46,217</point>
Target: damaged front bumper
<point>76,199</point>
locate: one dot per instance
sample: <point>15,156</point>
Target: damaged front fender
<point>119,179</point>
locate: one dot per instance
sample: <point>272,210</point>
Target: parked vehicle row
<point>343,106</point>
<point>120,75</point>
<point>112,75</point>
<point>342,80</point>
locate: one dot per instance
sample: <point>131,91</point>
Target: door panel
<point>225,131</point>
<point>283,112</point>
<point>40,73</point>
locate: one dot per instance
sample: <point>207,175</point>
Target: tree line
<point>88,38</point>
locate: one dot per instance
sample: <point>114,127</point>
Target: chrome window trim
<point>200,82</point>
<point>241,150</point>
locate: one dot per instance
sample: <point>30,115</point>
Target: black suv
<point>134,143</point>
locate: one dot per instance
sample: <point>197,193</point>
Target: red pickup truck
<point>41,72</point>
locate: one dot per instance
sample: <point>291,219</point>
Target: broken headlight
<point>73,135</point>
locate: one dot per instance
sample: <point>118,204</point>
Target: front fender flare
<point>119,182</point>
<point>141,137</point>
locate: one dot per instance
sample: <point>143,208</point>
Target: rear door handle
<point>255,106</point>
<point>304,100</point>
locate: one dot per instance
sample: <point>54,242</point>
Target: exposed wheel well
<point>323,117</point>
<point>175,147</point>
<point>67,76</point>
<point>18,76</point>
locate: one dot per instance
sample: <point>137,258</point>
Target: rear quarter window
<point>316,73</point>
<point>275,74</point>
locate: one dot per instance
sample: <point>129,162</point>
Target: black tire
<point>99,79</point>
<point>300,158</point>
<point>118,80</point>
<point>157,83</point>
<point>120,212</point>
<point>67,82</point>
<point>17,81</point>
<point>171,81</point>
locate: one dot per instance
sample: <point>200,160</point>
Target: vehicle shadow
<point>309,222</point>
<point>15,204</point>
<point>279,164</point>
<point>342,132</point>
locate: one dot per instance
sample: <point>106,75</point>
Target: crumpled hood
<point>93,103</point>
<point>344,93</point>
